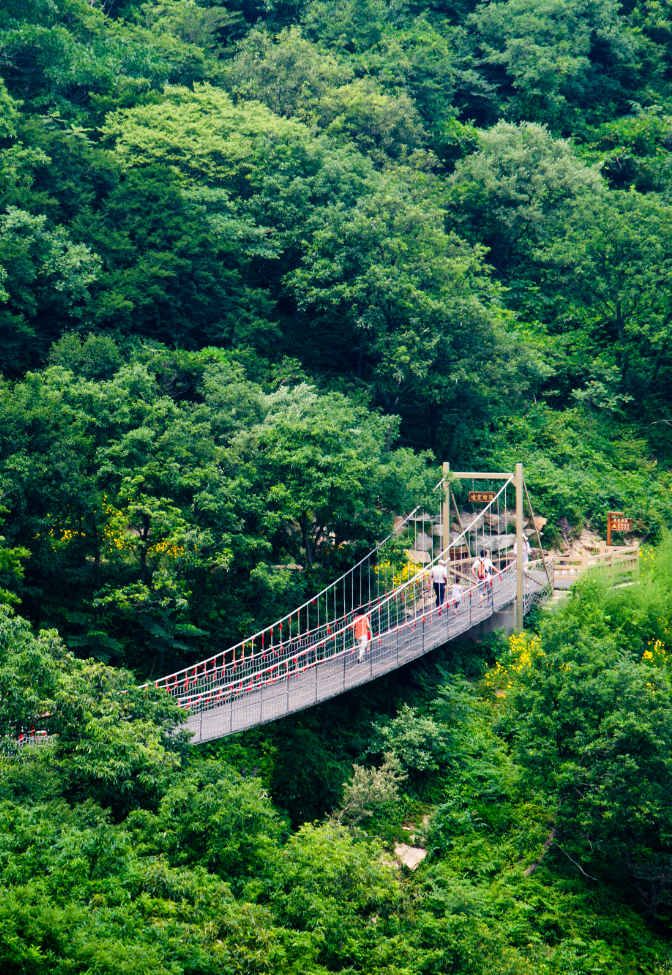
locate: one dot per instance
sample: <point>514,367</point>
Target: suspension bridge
<point>311,655</point>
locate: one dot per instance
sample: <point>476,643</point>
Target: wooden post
<point>446,509</point>
<point>608,529</point>
<point>534,522</point>
<point>519,546</point>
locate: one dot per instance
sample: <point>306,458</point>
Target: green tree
<point>594,726</point>
<point>515,190</point>
<point>45,276</point>
<point>328,468</point>
<point>286,72</point>
<point>214,818</point>
<point>113,742</point>
<point>613,256</point>
<point>552,59</point>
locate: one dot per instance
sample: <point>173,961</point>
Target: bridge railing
<point>27,739</point>
<point>538,588</point>
<point>415,544</point>
<point>396,612</point>
<point>278,652</point>
<point>391,619</point>
<point>355,587</point>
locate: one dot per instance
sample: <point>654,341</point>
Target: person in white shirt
<point>527,548</point>
<point>439,578</point>
<point>456,596</point>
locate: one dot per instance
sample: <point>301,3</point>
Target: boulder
<point>410,856</point>
<point>469,516</point>
<point>500,523</point>
<point>422,541</point>
<point>419,558</point>
<point>496,543</point>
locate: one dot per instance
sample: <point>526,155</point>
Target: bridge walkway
<point>310,655</point>
<point>320,680</point>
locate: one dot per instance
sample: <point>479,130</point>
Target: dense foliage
<point>263,265</point>
<point>450,221</point>
<point>540,788</point>
<point>160,501</point>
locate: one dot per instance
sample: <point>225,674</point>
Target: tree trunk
<point>620,324</point>
<point>306,539</point>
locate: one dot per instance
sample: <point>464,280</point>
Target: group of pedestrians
<point>482,570</point>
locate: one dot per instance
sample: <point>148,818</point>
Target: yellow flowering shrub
<point>395,575</point>
<point>647,559</point>
<point>656,653</point>
<point>523,650</point>
<point>117,537</point>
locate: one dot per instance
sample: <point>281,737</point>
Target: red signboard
<point>617,522</point>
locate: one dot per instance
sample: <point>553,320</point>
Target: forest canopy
<point>264,266</point>
<point>446,226</point>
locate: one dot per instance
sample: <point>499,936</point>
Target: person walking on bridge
<point>527,548</point>
<point>482,570</point>
<point>362,625</point>
<point>457,595</point>
<point>439,577</point>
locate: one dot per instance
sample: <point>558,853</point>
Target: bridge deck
<point>324,679</point>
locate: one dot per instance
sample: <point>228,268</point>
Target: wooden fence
<point>619,562</point>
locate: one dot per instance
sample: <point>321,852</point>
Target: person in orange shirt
<point>362,625</point>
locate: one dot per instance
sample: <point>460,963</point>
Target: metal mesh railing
<point>30,739</point>
<point>267,674</point>
<point>359,585</point>
<point>314,677</point>
<point>279,650</point>
<point>371,580</point>
<point>538,583</point>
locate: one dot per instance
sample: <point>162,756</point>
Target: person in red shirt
<point>482,570</point>
<point>362,625</point>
